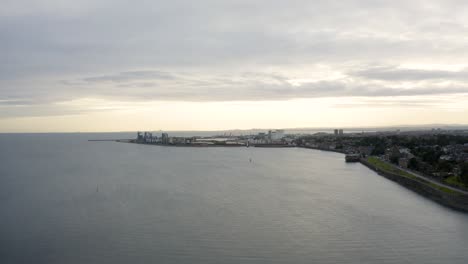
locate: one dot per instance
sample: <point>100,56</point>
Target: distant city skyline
<point>96,66</point>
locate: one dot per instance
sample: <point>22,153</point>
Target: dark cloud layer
<point>157,85</point>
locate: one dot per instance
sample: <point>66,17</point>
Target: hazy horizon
<point>93,66</point>
<point>287,129</point>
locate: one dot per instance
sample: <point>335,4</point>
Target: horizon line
<point>426,126</point>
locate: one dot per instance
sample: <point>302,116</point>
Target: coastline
<point>452,198</point>
<point>324,149</point>
<point>204,145</point>
<point>448,197</point>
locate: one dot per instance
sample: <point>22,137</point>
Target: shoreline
<point>191,145</point>
<point>452,198</point>
<point>449,197</point>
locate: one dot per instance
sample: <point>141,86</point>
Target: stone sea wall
<point>458,201</point>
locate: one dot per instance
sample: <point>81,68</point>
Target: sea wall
<point>325,149</point>
<point>458,201</point>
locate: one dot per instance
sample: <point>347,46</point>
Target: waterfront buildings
<point>164,138</point>
<point>273,138</point>
<point>275,135</point>
<point>338,132</point>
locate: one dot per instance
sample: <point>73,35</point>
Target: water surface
<point>66,200</point>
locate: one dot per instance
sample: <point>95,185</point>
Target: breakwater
<point>325,149</point>
<point>449,198</point>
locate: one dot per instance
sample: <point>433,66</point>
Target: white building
<point>276,135</point>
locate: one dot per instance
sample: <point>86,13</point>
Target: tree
<point>431,155</point>
<point>394,159</point>
<point>464,172</point>
<point>379,149</point>
<point>445,166</point>
<point>413,164</point>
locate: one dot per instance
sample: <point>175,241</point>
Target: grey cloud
<point>180,86</point>
<point>407,102</point>
<point>130,76</point>
<point>251,86</point>
<point>13,102</point>
<point>41,109</point>
<point>98,49</point>
<point>401,74</point>
<point>380,104</point>
<point>91,36</point>
<point>248,86</point>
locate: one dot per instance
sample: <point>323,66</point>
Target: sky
<point>111,65</point>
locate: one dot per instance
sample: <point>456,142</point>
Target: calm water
<point>66,200</point>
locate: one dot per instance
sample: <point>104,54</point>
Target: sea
<point>64,199</point>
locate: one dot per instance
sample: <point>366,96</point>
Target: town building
<point>164,138</point>
<point>275,135</point>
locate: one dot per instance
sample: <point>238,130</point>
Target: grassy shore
<point>386,167</point>
<point>455,181</point>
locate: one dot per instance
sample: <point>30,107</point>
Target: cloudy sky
<point>113,65</point>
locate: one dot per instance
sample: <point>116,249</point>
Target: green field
<point>384,166</point>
